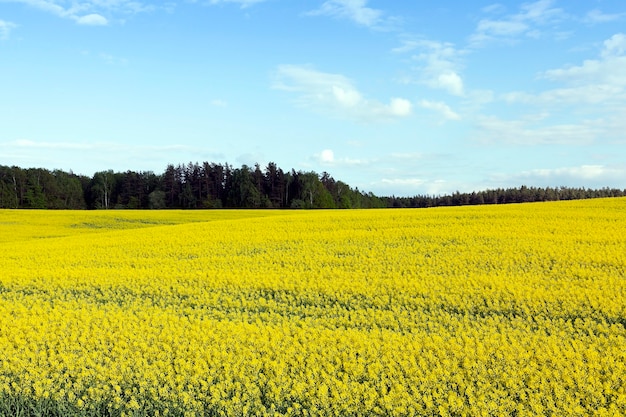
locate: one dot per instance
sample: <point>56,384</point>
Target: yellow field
<point>513,310</point>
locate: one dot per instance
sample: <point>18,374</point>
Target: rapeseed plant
<point>490,310</point>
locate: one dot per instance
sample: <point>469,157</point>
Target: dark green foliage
<point>40,188</point>
<point>523,194</point>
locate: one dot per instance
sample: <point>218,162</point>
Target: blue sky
<point>403,98</point>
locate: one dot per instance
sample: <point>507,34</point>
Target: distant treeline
<point>522,194</point>
<point>214,185</point>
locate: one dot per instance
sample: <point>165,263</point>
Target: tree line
<point>216,185</point>
<point>183,186</point>
<point>523,194</point>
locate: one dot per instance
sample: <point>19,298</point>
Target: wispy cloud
<point>91,13</point>
<point>354,10</point>
<point>495,8</point>
<point>608,69</point>
<point>92,19</point>
<point>526,22</point>
<point>336,95</point>
<point>592,94</point>
<point>242,3</point>
<point>582,172</point>
<point>614,46</point>
<point>592,175</point>
<point>5,29</point>
<point>219,102</point>
<point>530,132</point>
<point>501,28</point>
<point>440,107</point>
<point>540,12</point>
<point>105,57</point>
<point>595,81</point>
<point>112,60</point>
<point>593,91</point>
<point>439,64</point>
<point>81,13</point>
<point>596,16</point>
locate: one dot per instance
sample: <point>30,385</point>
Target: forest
<point>215,185</point>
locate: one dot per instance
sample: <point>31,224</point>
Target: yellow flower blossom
<point>489,310</point>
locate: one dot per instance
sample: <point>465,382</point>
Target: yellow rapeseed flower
<point>490,310</point>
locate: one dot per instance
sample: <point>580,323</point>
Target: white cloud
<point>407,45</point>
<point>530,132</point>
<point>346,97</point>
<point>440,108</point>
<point>597,16</point>
<point>600,82</point>
<point>512,27</point>
<point>494,8</point>
<point>501,27</point>
<point>47,6</point>
<point>92,19</point>
<point>609,69</point>
<point>440,64</point>
<point>327,156</point>
<point>583,171</point>
<point>5,29</point>
<point>539,11</point>
<point>87,12</point>
<point>585,94</point>
<point>478,99</point>
<point>593,176</point>
<point>336,95</point>
<point>355,10</point>
<point>614,46</point>
<point>400,107</point>
<point>451,82</point>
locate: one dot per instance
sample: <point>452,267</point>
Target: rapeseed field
<point>516,310</point>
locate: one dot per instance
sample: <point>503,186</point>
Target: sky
<point>393,97</point>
